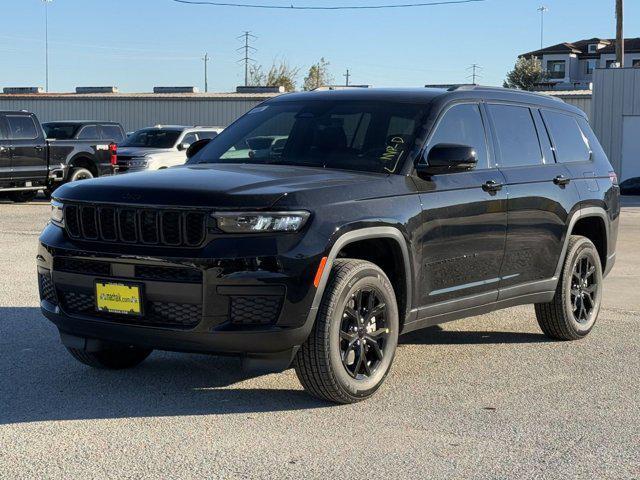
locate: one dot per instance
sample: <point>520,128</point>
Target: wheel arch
<point>82,160</point>
<point>360,236</point>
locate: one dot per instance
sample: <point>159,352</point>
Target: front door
<point>28,153</point>
<point>463,220</point>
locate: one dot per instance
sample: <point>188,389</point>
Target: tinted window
<point>351,135</point>
<point>516,135</point>
<point>594,144</point>
<point>88,132</point>
<point>152,138</point>
<point>543,136</point>
<point>189,138</point>
<point>206,134</point>
<point>3,130</point>
<point>571,144</point>
<point>60,131</point>
<point>462,125</point>
<point>112,132</point>
<point>22,127</point>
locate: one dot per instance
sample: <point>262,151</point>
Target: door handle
<point>39,148</point>
<point>561,180</point>
<point>491,186</point>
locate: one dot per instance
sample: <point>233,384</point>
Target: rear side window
<point>22,127</point>
<point>516,135</point>
<point>462,125</point>
<point>112,132</point>
<point>89,132</point>
<point>570,143</point>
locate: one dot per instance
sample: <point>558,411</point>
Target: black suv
<point>320,226</point>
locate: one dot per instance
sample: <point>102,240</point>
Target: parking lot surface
<point>486,397</point>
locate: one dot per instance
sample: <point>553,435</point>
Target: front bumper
<point>208,300</point>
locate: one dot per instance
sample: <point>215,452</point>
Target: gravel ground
<point>486,397</point>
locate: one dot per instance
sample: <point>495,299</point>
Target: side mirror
<point>196,146</point>
<point>448,158</point>
<point>183,146</point>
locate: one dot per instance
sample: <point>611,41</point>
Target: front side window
<point>152,138</point>
<point>350,135</point>
<point>88,132</point>
<point>189,138</point>
<point>516,134</point>
<point>570,142</point>
<point>556,69</point>
<point>462,125</point>
<point>22,127</point>
<point>207,134</point>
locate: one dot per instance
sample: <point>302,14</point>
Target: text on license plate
<point>118,298</point>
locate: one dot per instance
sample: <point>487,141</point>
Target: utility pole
<point>619,33</point>
<point>542,9</point>
<point>247,49</point>
<point>475,73</point>
<point>206,59</point>
<point>46,44</point>
<point>347,76</point>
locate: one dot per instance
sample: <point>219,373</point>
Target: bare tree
<point>283,75</point>
<point>257,78</point>
<point>318,76</point>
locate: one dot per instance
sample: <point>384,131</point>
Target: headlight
<point>257,222</point>
<point>57,213</point>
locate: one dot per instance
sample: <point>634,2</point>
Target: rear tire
<point>80,173</point>
<point>22,196</point>
<point>575,306</point>
<point>351,348</point>
<point>116,358</point>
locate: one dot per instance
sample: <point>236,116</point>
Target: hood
<point>215,185</point>
<point>142,151</point>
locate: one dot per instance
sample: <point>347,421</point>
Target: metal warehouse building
<point>137,110</point>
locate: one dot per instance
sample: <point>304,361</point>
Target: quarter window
<point>22,127</point>
<point>571,144</point>
<point>462,125</point>
<point>516,135</point>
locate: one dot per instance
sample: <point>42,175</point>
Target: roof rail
<point>467,87</point>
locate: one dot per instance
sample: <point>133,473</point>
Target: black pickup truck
<point>36,158</point>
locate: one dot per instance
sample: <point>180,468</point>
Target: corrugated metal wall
<point>616,93</point>
<point>135,112</point>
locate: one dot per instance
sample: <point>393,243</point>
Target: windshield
<point>351,135</point>
<point>60,131</point>
<point>152,138</point>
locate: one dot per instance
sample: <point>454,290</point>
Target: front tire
<point>115,358</point>
<point>574,309</point>
<point>351,348</point>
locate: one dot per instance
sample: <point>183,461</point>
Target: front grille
<point>135,225</point>
<point>255,310</point>
<point>82,266</point>
<point>164,314</point>
<point>168,274</point>
<point>47,290</point>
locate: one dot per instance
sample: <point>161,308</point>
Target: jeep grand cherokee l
<point>371,213</point>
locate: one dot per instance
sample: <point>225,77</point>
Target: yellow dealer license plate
<point>125,299</point>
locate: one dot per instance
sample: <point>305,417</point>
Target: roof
<point>81,122</point>
<point>581,47</point>
<point>140,96</point>
<point>427,95</point>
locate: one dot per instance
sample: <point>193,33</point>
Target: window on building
<point>593,48</point>
<point>517,136</point>
<point>571,143</point>
<point>556,69</point>
<point>591,65</point>
<point>610,63</point>
<point>462,125</point>
<point>635,63</point>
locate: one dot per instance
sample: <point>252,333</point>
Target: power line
<point>338,7</point>
<point>247,48</point>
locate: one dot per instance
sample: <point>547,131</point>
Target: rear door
<point>5,154</point>
<point>463,220</point>
<point>540,198</point>
<point>28,152</point>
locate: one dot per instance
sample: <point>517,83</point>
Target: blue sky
<point>136,44</point>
